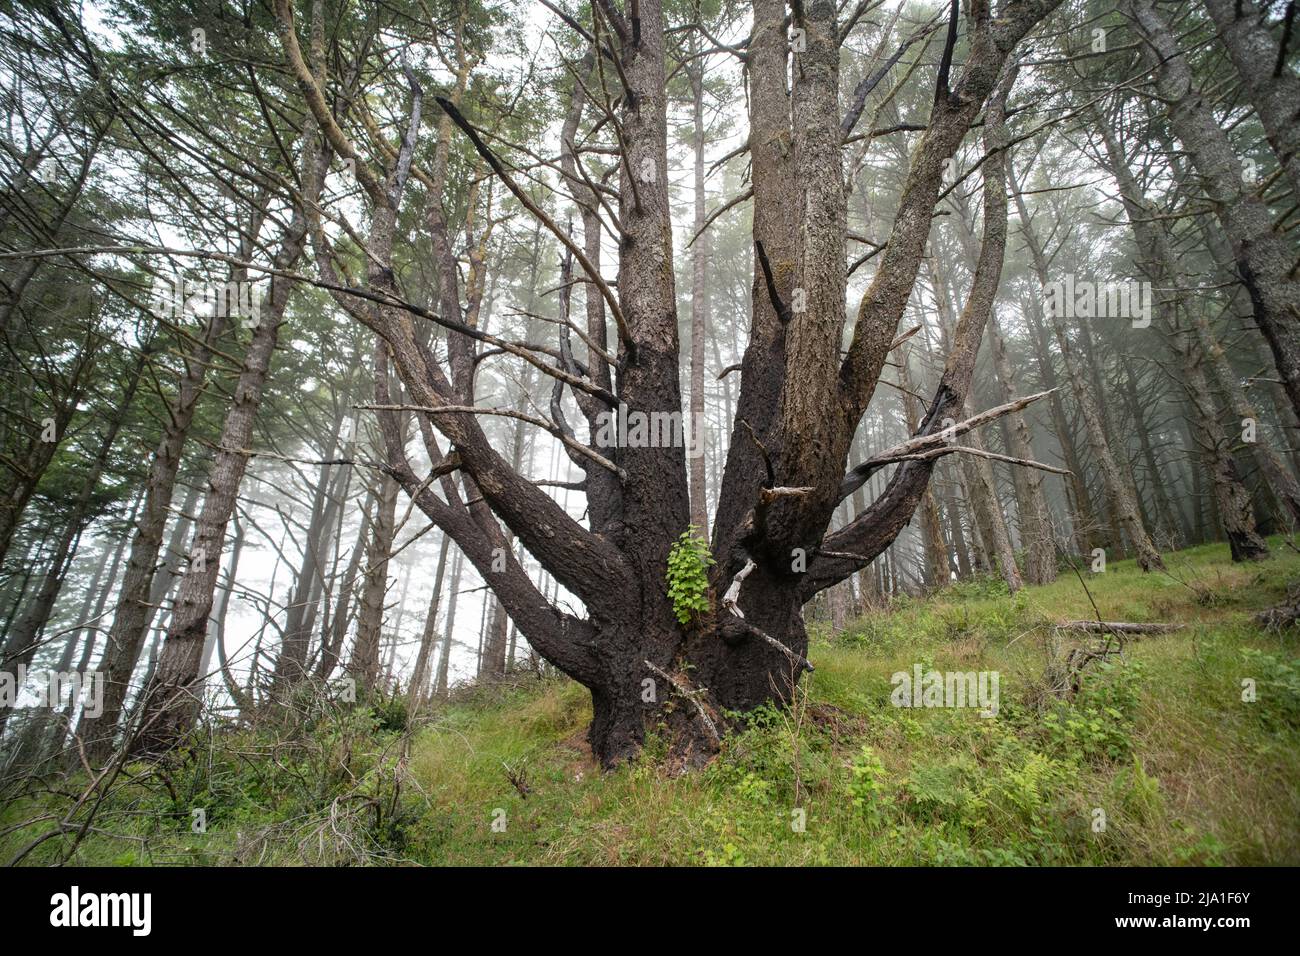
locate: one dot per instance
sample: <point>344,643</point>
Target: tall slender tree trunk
<point>1031,501</point>
<point>959,546</point>
<point>363,666</point>
<point>23,641</point>
<point>1087,354</point>
<point>496,634</point>
<point>332,642</point>
<point>1236,511</point>
<point>291,665</point>
<point>1281,479</point>
<point>979,473</point>
<point>699,303</point>
<point>441,687</point>
<point>934,549</point>
<point>1265,257</point>
<point>1235,508</point>
<point>1083,520</point>
<point>169,702</point>
<point>1272,88</point>
<point>217,626</point>
<point>87,639</point>
<point>138,597</point>
<point>1159,494</point>
<point>419,690</point>
<point>1121,500</point>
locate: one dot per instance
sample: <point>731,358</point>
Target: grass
<point>1159,745</point>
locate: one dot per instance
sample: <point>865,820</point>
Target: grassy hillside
<point>1160,740</point>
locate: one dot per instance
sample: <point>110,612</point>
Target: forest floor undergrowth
<point>1157,760</point>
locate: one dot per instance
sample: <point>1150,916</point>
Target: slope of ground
<point>1157,760</point>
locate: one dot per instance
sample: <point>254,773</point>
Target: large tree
<point>801,396</point>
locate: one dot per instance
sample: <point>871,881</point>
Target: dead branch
<point>1119,627</point>
<point>693,697</point>
<point>935,444</point>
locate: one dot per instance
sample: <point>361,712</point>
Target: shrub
<point>1098,723</point>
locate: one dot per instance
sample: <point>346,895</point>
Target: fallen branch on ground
<point>1119,627</point>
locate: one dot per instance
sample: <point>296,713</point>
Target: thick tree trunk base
<point>726,666</point>
<point>619,732</point>
<point>1247,546</point>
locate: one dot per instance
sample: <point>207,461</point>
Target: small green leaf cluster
<point>688,578</point>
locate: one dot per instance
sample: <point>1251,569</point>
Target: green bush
<point>1098,723</point>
